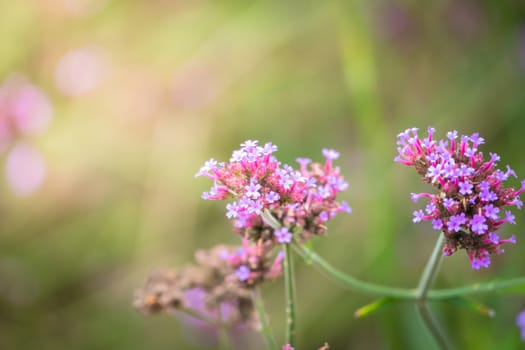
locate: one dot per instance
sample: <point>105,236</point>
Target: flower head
<point>205,288</point>
<point>257,181</point>
<point>471,191</point>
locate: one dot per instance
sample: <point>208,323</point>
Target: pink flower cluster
<point>472,195</point>
<point>303,199</point>
<point>251,263</point>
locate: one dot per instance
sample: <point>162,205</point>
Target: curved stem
<point>425,283</point>
<point>351,282</point>
<point>289,286</point>
<point>265,325</point>
<point>515,284</point>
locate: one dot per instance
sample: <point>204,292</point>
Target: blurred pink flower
<point>31,110</point>
<point>80,71</point>
<point>25,169</point>
<point>24,109</point>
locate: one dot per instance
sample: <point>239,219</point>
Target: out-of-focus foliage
<point>142,92</point>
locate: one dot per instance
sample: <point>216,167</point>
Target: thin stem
<point>431,269</point>
<point>265,325</point>
<point>289,286</point>
<point>351,282</point>
<point>224,334</point>
<point>515,284</point>
<point>432,325</point>
<point>425,283</point>
<point>289,280</point>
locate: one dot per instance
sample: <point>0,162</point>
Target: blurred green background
<point>144,91</point>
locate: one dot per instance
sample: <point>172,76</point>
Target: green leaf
<point>374,306</point>
<point>472,305</point>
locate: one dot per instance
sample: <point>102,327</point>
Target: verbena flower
<point>470,205</point>
<point>302,199</point>
<point>520,322</point>
<point>205,288</point>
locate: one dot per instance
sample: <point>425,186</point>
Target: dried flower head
<point>472,195</point>
<point>304,199</point>
<point>205,289</point>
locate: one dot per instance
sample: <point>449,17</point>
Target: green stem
<point>431,269</point>
<point>265,325</point>
<point>432,325</point>
<point>289,280</point>
<point>351,282</point>
<point>224,336</point>
<point>515,284</point>
<point>425,283</point>
<point>289,286</point>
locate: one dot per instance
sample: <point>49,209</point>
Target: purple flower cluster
<point>251,263</point>
<point>469,207</point>
<point>304,198</point>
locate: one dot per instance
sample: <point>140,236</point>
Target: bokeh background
<point>109,107</point>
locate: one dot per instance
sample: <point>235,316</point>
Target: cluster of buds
<point>469,208</point>
<point>205,289</point>
<point>252,263</point>
<point>301,200</point>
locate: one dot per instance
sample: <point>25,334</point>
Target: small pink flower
<point>80,71</point>
<point>25,169</point>
<point>24,109</point>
